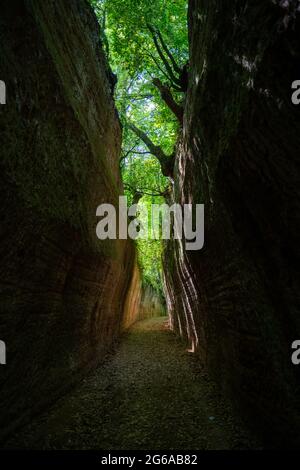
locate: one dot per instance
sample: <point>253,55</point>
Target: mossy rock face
<point>61,136</point>
<point>62,291</point>
<point>237,299</point>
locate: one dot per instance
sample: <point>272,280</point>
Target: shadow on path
<point>148,395</point>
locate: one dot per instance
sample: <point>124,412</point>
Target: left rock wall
<point>62,292</point>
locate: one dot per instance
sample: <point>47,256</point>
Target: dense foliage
<point>127,35</point>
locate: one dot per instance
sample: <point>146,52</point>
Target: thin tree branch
<point>139,153</point>
<point>159,67</point>
<point>176,67</point>
<point>123,157</point>
<point>143,191</point>
<point>176,88</point>
<point>136,97</point>
<point>167,97</point>
<point>166,161</point>
<point>170,72</point>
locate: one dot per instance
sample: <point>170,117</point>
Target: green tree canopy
<point>147,48</point>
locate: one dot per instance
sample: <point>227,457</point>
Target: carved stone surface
<point>62,291</point>
<point>237,300</point>
<point>151,304</point>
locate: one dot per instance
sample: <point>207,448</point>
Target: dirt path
<point>149,395</point>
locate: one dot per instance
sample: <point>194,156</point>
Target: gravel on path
<point>148,395</point>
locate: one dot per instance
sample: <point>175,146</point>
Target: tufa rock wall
<point>151,304</point>
<point>236,301</point>
<point>62,292</point>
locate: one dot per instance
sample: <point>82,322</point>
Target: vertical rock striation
<point>62,291</point>
<point>237,300</point>
<point>151,304</point>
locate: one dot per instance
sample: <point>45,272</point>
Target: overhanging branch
<point>166,161</point>
<point>169,69</point>
<point>176,67</point>
<point>145,192</point>
<point>167,97</point>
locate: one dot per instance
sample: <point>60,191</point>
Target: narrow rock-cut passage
<point>148,395</point>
